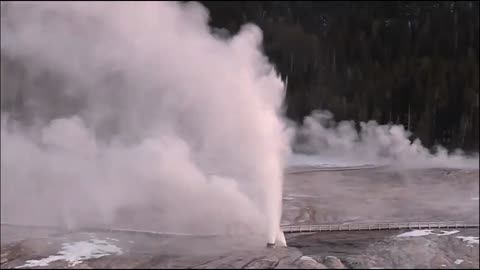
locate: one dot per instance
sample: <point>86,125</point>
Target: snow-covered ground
<point>75,253</point>
<point>426,232</point>
<point>469,239</point>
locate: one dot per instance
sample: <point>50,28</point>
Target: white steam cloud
<point>168,124</point>
<point>322,139</point>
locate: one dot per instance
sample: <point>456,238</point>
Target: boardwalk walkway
<point>377,226</point>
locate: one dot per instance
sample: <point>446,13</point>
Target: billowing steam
<point>322,138</point>
<point>139,115</point>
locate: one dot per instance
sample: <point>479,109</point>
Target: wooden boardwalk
<point>376,226</point>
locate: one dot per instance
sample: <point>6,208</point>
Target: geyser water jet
<point>137,109</point>
<point>281,241</point>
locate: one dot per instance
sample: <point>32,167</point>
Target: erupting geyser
<point>281,241</point>
<point>141,106</point>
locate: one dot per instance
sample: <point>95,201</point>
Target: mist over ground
<point>322,140</point>
<point>142,108</point>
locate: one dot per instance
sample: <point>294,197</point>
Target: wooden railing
<point>376,226</point>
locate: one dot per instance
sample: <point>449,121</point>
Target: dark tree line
<point>406,62</point>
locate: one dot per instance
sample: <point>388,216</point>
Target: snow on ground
<point>448,232</point>
<point>76,252</point>
<point>425,232</point>
<point>469,239</point>
<point>415,233</point>
<point>458,261</point>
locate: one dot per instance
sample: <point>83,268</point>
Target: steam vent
<point>270,245</point>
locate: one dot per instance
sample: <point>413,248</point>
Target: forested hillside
<point>408,62</point>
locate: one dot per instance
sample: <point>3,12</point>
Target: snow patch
<point>426,232</point>
<point>76,252</point>
<point>458,261</point>
<point>447,232</point>
<point>469,239</point>
<point>415,233</point>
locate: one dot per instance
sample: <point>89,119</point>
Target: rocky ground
<point>320,197</point>
<point>381,195</point>
<point>337,250</point>
<point>385,250</point>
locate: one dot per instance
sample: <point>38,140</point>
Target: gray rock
<point>333,262</point>
<point>306,262</point>
<point>288,260</point>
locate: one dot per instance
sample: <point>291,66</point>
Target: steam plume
<point>139,107</point>
<point>323,138</point>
